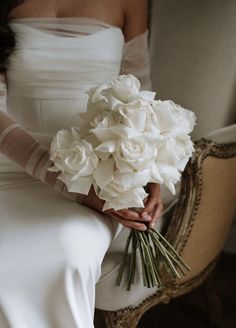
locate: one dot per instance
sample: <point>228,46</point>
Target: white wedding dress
<point>51,249</point>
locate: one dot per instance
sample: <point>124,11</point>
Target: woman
<point>51,249</point>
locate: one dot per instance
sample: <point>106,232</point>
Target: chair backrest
<point>206,205</point>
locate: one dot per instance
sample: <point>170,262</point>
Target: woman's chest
<point>100,9</point>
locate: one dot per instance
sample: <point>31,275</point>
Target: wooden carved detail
<point>130,316</point>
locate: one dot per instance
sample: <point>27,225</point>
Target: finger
<point>145,200</point>
<point>149,208</point>
<point>154,197</point>
<point>126,214</point>
<point>132,215</point>
<point>133,225</point>
<point>129,224</point>
<point>156,215</point>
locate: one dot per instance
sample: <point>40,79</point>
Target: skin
<point>131,17</point>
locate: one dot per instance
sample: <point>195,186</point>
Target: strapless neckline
<point>38,25</point>
<point>63,19</point>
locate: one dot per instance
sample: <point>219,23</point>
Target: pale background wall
<point>193,56</point>
<point>193,61</point>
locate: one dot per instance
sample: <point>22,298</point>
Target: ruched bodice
<point>52,69</point>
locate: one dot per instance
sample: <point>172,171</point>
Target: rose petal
<point>147,95</point>
<point>132,179</point>
<point>82,185</point>
<point>104,172</point>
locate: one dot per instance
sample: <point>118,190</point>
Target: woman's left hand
<point>153,204</point>
<point>150,213</point>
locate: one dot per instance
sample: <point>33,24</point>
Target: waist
<point>46,116</point>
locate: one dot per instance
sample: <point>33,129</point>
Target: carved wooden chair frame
<point>178,232</point>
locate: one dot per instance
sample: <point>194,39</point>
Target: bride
<point>52,242</point>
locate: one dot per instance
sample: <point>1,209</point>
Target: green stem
<point>145,260</point>
<point>144,273</point>
<point>150,260</point>
<point>135,257</point>
<point>132,263</point>
<point>166,258</point>
<point>182,268</point>
<point>171,247</point>
<point>124,258</point>
<point>155,264</point>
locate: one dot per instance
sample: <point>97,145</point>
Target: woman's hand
<point>149,215</point>
<point>127,217</point>
<point>153,204</point>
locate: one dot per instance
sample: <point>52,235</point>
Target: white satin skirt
<point>58,259</point>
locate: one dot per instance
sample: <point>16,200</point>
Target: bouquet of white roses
<point>126,140</point>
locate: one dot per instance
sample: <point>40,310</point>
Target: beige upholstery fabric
<point>214,216</point>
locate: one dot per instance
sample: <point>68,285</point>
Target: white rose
<point>105,124</point>
<point>128,121</point>
<point>169,174</point>
<point>173,119</point>
<point>133,154</point>
<point>75,158</point>
<point>106,119</point>
<point>140,116</point>
<point>176,151</point>
<point>124,190</point>
<point>110,125</point>
<point>173,155</point>
<point>125,87</point>
<point>132,198</point>
<point>129,154</point>
<point>102,97</point>
<point>99,113</point>
<point>59,145</point>
<point>98,97</point>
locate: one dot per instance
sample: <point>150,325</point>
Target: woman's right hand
<point>128,217</point>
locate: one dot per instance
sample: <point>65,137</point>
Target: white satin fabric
<point>51,249</point>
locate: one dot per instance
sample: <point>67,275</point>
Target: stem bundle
<point>155,251</point>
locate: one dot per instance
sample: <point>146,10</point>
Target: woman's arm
<point>135,18</point>
<point>2,92</point>
<point>136,59</point>
<point>19,146</point>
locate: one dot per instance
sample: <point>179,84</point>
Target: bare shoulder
<point>136,17</point>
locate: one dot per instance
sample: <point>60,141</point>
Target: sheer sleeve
<point>136,60</point>
<point>21,148</point>
<point>2,92</point>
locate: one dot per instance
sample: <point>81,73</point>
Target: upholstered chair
<point>199,222</point>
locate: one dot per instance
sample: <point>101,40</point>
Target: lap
<point>41,229</point>
<point>42,233</point>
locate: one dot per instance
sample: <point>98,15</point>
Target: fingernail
<point>146,216</point>
<point>143,228</point>
<point>152,225</point>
